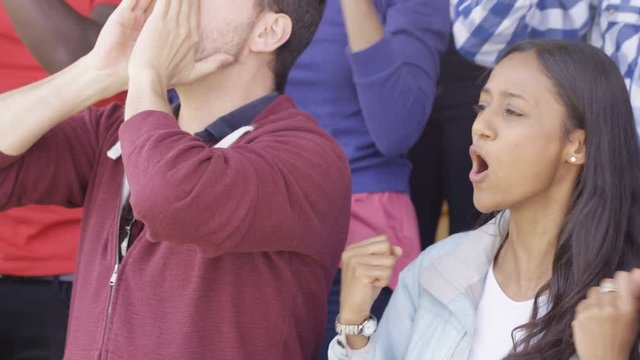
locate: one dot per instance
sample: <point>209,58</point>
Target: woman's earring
<point>573,158</point>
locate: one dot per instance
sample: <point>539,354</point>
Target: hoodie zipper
<point>114,274</point>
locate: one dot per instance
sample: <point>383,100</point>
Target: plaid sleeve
<point>483,29</point>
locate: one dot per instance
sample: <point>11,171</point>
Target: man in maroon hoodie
<point>211,231</point>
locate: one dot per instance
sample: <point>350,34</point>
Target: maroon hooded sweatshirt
<point>238,248</point>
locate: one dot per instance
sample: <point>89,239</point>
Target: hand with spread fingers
<point>367,267</point>
<point>115,43</point>
<point>606,322</point>
<point>167,48</point>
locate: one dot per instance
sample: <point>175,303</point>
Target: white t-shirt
<point>496,318</point>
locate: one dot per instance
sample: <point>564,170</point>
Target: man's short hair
<point>305,16</point>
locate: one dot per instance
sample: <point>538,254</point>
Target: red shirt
<point>35,240</point>
<point>239,246</point>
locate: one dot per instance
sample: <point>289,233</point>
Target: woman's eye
<point>479,108</point>
<point>512,112</point>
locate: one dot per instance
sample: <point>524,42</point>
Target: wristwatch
<point>365,328</point>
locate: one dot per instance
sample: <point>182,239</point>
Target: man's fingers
<point>128,5</point>
<point>141,5</point>
<point>135,5</point>
<point>178,10</point>
<point>147,5</point>
<point>210,65</point>
<point>161,7</point>
<point>194,16</point>
<point>148,9</point>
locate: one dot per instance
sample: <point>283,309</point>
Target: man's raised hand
<point>167,47</point>
<point>115,43</point>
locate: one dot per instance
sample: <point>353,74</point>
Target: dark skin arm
<point>54,32</point>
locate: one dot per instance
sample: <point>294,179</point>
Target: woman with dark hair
<point>555,154</point>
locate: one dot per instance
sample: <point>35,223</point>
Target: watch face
<point>369,327</point>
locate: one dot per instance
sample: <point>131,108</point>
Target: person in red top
<point>38,243</point>
<point>212,231</point>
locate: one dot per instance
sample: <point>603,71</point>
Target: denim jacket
<point>432,312</point>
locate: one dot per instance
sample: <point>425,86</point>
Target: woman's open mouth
<point>480,167</point>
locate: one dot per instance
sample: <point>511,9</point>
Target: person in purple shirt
<point>369,77</point>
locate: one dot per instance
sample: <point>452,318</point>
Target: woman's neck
<point>525,261</point>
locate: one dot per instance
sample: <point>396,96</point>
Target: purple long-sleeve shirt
<point>375,102</point>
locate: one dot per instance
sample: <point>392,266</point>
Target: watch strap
<point>351,329</point>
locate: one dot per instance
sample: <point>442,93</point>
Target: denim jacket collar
<point>457,279</point>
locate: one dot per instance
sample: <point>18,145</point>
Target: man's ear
<point>271,31</point>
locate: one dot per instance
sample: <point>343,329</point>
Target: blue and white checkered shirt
<point>483,29</point>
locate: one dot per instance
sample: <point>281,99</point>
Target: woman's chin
<point>485,206</point>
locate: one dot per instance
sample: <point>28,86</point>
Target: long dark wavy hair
<point>601,233</point>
